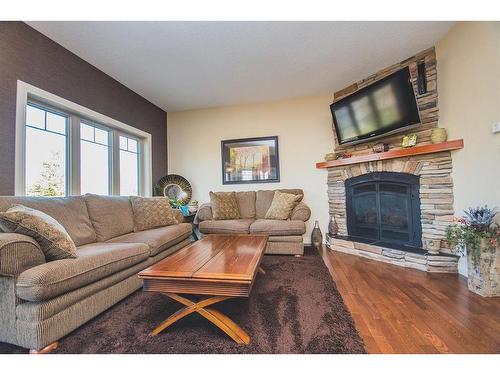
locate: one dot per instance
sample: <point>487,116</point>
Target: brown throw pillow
<point>53,239</point>
<point>282,205</point>
<point>152,213</point>
<point>224,206</point>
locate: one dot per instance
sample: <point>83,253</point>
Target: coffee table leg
<point>201,307</point>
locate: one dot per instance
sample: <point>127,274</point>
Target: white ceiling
<point>186,65</point>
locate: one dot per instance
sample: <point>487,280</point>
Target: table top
<point>232,258</point>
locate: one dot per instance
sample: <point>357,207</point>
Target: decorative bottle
<point>316,235</point>
<point>333,228</point>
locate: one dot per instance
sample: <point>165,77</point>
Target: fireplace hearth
<point>384,206</point>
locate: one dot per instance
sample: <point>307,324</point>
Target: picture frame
<point>250,160</point>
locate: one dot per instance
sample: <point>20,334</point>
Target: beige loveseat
<point>41,301</point>
<point>285,236</point>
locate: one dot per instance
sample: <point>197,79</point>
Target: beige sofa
<point>285,236</point>
<point>41,301</point>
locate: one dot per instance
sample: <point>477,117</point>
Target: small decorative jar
<point>316,236</point>
<point>333,228</point>
<point>439,135</point>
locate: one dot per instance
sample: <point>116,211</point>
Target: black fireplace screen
<point>385,206</point>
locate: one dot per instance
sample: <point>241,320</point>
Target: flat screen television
<point>384,107</point>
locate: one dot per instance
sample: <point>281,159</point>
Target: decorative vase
<point>330,156</point>
<point>483,278</point>
<point>333,228</point>
<point>439,135</point>
<point>193,207</point>
<point>316,235</point>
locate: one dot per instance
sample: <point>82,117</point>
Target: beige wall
<point>304,128</point>
<point>468,67</point>
<point>468,59</point>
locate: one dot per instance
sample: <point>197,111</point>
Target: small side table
<point>190,219</point>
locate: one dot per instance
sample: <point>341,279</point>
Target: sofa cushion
<point>70,212</point>
<point>37,311</point>
<point>41,310</point>
<point>225,226</point>
<point>178,215</point>
<point>94,262</point>
<point>158,239</point>
<point>301,212</point>
<point>282,205</point>
<point>278,227</point>
<point>111,216</point>
<point>264,199</point>
<point>224,205</point>
<point>152,213</point>
<point>203,213</point>
<point>246,204</point>
<point>53,239</point>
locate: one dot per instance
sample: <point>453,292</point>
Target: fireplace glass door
<point>384,206</point>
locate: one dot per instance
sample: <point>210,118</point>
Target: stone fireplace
<point>409,204</point>
<point>395,210</point>
<point>429,176</point>
<point>394,206</point>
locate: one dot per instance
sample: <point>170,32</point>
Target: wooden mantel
<point>395,153</point>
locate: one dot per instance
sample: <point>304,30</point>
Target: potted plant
<point>476,235</point>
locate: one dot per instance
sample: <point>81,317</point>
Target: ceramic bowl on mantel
<point>439,135</point>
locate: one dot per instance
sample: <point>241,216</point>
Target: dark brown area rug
<point>294,308</point>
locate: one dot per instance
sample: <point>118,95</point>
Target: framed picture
<point>250,160</point>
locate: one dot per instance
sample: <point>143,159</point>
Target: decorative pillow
<point>152,213</point>
<point>282,205</point>
<point>224,206</point>
<point>53,239</point>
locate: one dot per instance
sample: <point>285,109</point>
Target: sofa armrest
<point>301,212</point>
<point>204,213</point>
<point>18,253</point>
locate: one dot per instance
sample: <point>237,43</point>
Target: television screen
<point>385,106</point>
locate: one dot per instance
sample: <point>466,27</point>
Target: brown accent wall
<point>28,55</point>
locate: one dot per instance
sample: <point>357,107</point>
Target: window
<point>63,149</point>
<point>129,166</point>
<point>94,160</point>
<point>46,150</point>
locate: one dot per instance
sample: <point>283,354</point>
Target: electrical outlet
<point>495,128</point>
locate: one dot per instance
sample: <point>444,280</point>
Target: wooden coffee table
<point>219,266</point>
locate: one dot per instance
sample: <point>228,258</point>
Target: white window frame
<point>111,154</point>
<point>27,92</point>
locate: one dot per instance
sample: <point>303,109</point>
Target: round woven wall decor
<point>174,186</point>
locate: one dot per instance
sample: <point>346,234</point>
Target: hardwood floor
<point>400,310</point>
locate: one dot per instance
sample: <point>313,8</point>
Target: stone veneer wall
<point>427,103</point>
<point>436,191</point>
